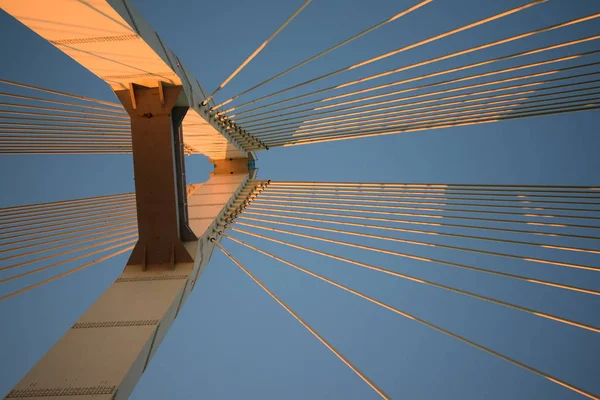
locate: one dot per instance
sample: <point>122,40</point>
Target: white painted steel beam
<point>113,41</point>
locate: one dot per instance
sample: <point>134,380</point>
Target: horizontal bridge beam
<point>104,37</point>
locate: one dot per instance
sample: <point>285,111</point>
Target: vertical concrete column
<point>156,114</point>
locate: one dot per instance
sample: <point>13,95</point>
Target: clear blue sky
<point>232,341</point>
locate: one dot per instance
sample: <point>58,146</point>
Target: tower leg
<point>104,354</point>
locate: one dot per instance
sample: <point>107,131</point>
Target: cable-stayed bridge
<point>171,228</point>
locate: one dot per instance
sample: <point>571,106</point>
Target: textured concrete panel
<point>134,301</point>
<point>89,358</point>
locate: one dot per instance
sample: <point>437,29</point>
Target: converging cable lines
<point>452,113</point>
<point>249,119</point>
<point>387,113</point>
<point>274,204</point>
<point>258,50</point>
<point>330,49</point>
<point>315,113</point>
<point>277,213</point>
<point>412,316</point>
<point>27,126</point>
<point>354,369</point>
<point>84,227</point>
<point>391,53</point>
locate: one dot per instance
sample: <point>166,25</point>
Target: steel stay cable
<point>515,112</point>
<point>116,121</point>
<point>303,323</point>
<point>480,113</point>
<point>62,221</point>
<point>43,135</point>
<point>397,109</point>
<point>337,46</point>
<point>52,145</point>
<point>54,139</point>
<point>88,143</point>
<point>55,277</point>
<point>437,110</point>
<point>63,152</point>
<point>326,109</point>
<point>98,147</point>
<point>334,138</point>
<point>26,138</point>
<point>49,147</point>
<point>427,244</point>
<point>431,123</point>
<point>93,146</point>
<point>397,51</point>
<point>53,211</point>
<point>17,130</point>
<point>21,152</point>
<point>39,148</point>
<point>427,259</point>
<point>68,139</point>
<point>61,202</point>
<point>69,229</point>
<point>460,338</point>
<point>430,283</point>
<point>321,116</point>
<point>434,196</point>
<point>63,110</point>
<point>442,223</point>
<point>417,78</point>
<point>262,200</point>
<point>90,232</point>
<point>352,134</point>
<point>437,225</point>
<point>484,110</point>
<point>52,225</point>
<point>93,142</point>
<point>359,200</point>
<point>126,228</point>
<point>472,186</point>
<point>37,144</point>
<point>71,127</point>
<point>520,193</point>
<point>442,200</point>
<point>99,212</point>
<point>41,99</point>
<point>418,231</point>
<point>69,122</point>
<point>442,189</point>
<point>365,210</point>
<point>22,140</point>
<point>526,196</point>
<point>441,195</point>
<point>74,96</point>
<point>408,110</point>
<point>53,134</point>
<point>311,112</point>
<point>77,208</point>
<point>258,50</point>
<point>469,66</point>
<point>76,250</point>
<point>59,263</point>
<point>72,148</point>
